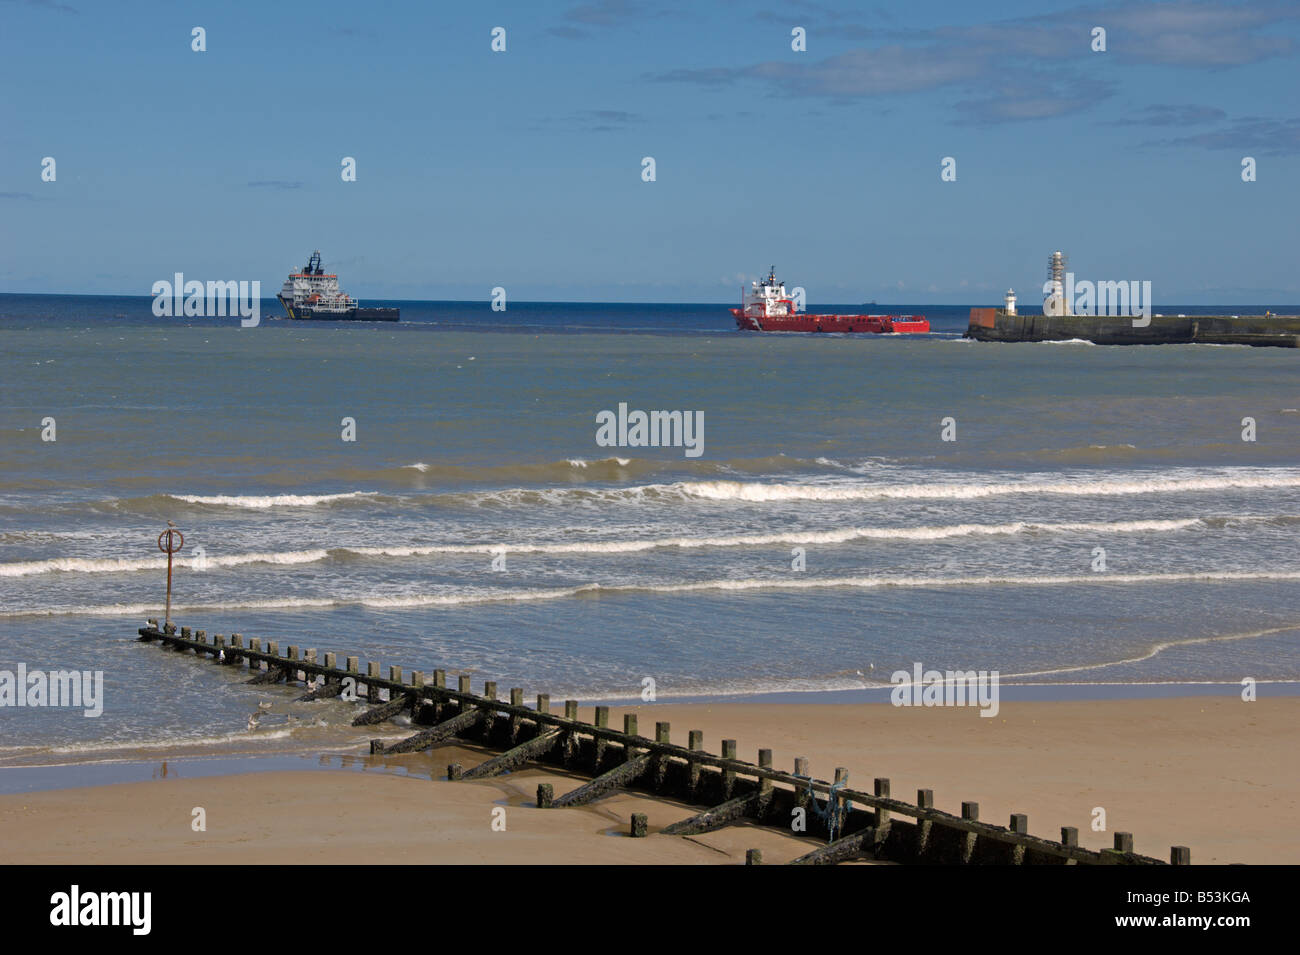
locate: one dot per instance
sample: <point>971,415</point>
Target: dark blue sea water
<point>825,535</point>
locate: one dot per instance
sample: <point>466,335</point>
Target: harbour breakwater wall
<point>996,325</point>
<point>849,824</point>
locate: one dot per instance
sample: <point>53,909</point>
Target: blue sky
<point>523,169</point>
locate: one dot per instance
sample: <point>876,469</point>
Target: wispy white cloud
<point>1267,137</point>
<point>1030,67</point>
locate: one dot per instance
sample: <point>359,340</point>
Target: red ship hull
<point>801,322</point>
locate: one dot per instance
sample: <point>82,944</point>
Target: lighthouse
<point>1055,303</point>
<point>1010,300</point>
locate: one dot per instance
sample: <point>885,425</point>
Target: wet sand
<point>1216,774</point>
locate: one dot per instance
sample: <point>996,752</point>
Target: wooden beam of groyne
<point>853,846</point>
<point>616,778</point>
<point>715,818</point>
<point>325,692</point>
<point>432,737</point>
<point>384,711</point>
<point>734,788</point>
<point>273,675</point>
<point>514,758</point>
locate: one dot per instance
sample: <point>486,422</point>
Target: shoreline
<point>1209,773</point>
<point>257,748</point>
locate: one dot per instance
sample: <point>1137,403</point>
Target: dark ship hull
<point>358,314</point>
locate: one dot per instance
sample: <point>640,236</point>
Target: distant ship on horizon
<point>765,307</point>
<point>312,294</point>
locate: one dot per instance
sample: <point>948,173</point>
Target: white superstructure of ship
<point>313,293</point>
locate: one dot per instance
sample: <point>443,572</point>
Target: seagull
<point>263,706</point>
<point>221,656</point>
<point>252,721</point>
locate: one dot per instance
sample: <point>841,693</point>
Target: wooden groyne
<point>852,824</point>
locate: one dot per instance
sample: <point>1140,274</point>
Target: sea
<point>438,493</point>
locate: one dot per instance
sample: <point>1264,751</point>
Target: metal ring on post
<point>168,548</point>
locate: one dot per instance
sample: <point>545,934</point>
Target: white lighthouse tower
<point>1010,300</point>
<point>1055,303</point>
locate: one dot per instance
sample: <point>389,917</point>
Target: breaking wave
<point>454,598</point>
<point>262,501</point>
<point>112,565</point>
<point>742,491</point>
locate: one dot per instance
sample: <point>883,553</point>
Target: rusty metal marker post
<point>175,541</point>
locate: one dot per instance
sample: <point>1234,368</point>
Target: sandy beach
<point>1212,773</point>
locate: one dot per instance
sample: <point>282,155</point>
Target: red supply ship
<point>765,307</point>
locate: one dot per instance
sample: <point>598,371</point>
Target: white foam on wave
<point>582,463</point>
<point>418,466</point>
<point>102,565</point>
<point>267,735</point>
<point>836,536</point>
<point>262,501</point>
<point>119,565</point>
<point>778,492</point>
<point>503,595</point>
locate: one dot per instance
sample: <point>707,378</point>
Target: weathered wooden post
<point>1180,855</point>
<point>175,540</point>
<point>663,734</point>
<point>516,699</point>
<point>489,721</point>
<point>640,825</point>
<point>728,774</point>
<point>694,743</point>
<point>601,719</point>
<point>570,744</point>
<point>764,762</point>
<point>1020,826</point>
<point>834,811</point>
<point>440,682</point>
<point>970,811</point>
<point>924,800</point>
<point>753,857</point>
<point>882,815</point>
<point>545,795</point>
<point>803,791</point>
